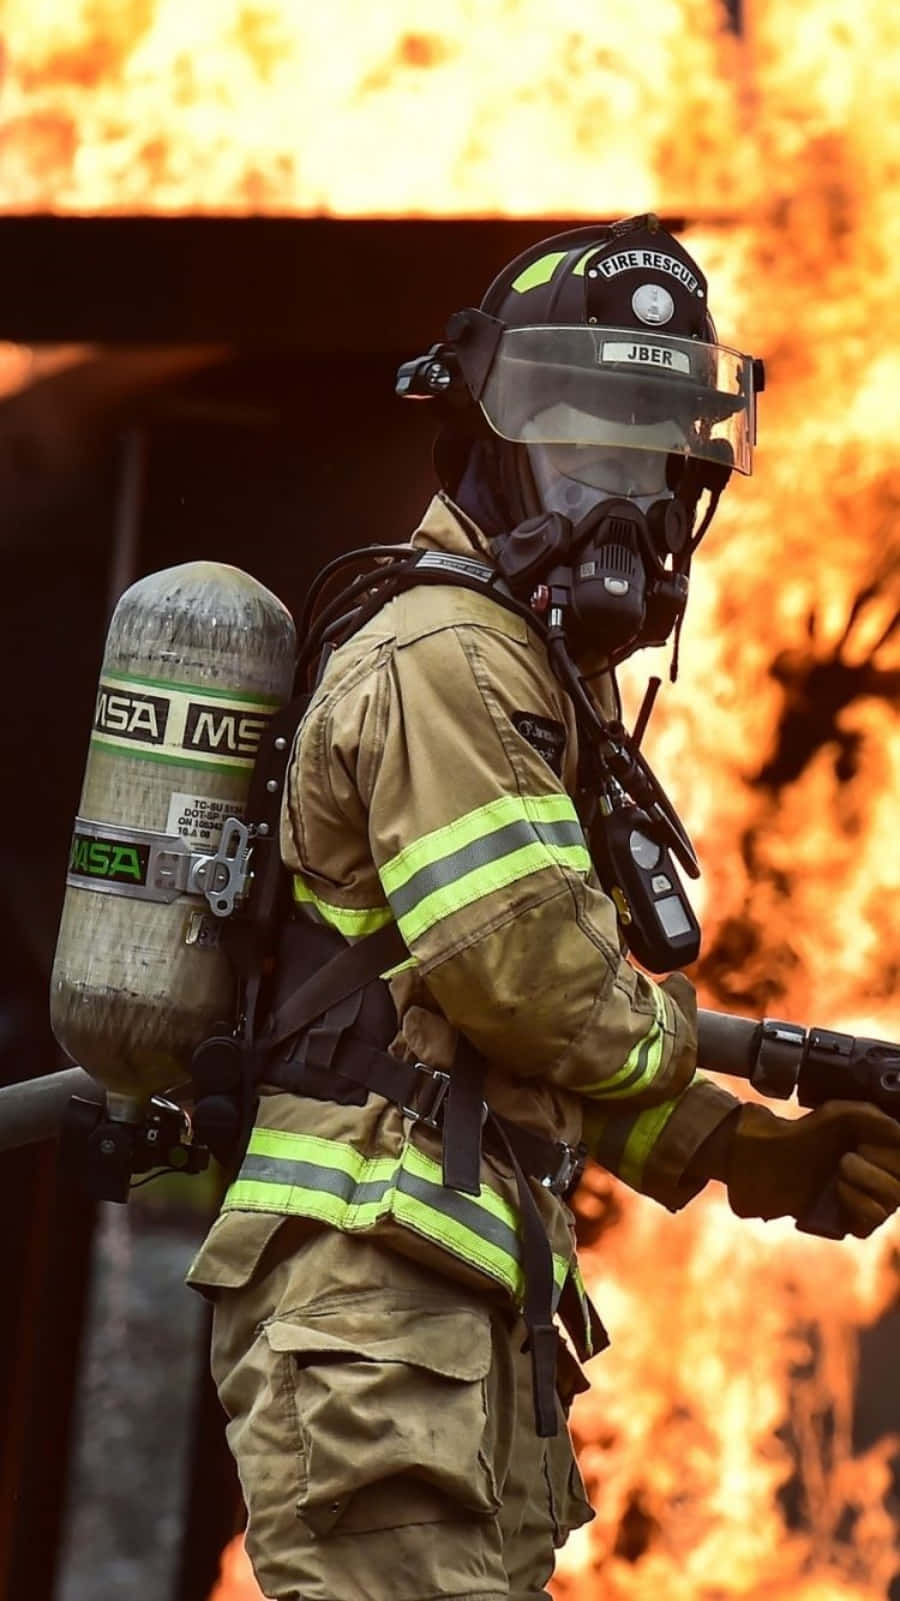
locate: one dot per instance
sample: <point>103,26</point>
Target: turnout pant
<point>381,1418</point>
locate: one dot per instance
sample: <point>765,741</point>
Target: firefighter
<point>392,1257</point>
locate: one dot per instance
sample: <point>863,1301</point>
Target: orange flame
<point>508,108</point>
<point>731,1378</point>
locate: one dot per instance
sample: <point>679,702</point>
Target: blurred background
<point>221,228</point>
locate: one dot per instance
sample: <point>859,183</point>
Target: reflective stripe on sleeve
<point>640,1066</point>
<point>305,1176</point>
<point>485,850</point>
<point>623,1144</point>
<point>351,923</point>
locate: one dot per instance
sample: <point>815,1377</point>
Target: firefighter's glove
<point>776,1167</point>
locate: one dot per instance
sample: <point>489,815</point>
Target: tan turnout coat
<point>414,794</point>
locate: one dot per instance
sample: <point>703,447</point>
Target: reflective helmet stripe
<point>540,272</point>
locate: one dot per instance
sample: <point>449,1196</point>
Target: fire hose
<point>33,1109</point>
<point>779,1059</point>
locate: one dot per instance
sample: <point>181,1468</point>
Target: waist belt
<point>422,1093</point>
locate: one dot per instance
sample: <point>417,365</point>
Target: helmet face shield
<point>593,386</point>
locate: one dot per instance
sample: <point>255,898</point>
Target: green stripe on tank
<point>134,753</point>
<point>213,693</point>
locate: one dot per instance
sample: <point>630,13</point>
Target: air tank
<point>198,658</point>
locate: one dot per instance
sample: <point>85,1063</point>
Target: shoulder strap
<point>350,970</point>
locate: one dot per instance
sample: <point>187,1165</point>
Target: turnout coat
<point>431,784</point>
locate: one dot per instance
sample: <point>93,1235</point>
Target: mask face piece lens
<point>573,479</point>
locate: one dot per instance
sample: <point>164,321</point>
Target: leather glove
<point>778,1167</point>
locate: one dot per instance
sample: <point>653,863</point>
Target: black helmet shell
<point>632,274</point>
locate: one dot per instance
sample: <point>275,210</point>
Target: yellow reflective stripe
<point>483,851</point>
<point>540,272</point>
<point>582,1294</point>
<point>474,825</point>
<point>305,1175</point>
<point>640,1066</point>
<point>581,263</point>
<point>648,1126</point>
<point>623,1144</point>
<point>646,1132</point>
<point>353,924</point>
<point>482,881</point>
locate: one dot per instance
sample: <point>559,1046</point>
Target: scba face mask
<point>614,578</point>
<point>619,437</point>
<point>573,479</point>
<point>592,381</point>
<point>618,528</point>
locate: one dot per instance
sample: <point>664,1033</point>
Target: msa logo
<point>109,859</point>
<point>131,716</point>
<point>222,731</point>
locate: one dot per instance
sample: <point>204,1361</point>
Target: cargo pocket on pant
<point>385,1392</point>
<point>571,1507</point>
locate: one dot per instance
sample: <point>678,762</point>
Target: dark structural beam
<point>315,284</point>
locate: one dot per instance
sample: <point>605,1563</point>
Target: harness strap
<point>351,969</point>
<point>452,1102</point>
<point>464,1113</point>
<point>537,1309</point>
<point>424,1094</point>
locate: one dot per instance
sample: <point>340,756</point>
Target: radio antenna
<point>644,715</point>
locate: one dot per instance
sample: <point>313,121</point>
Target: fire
<point>717,1438</point>
<point>240,107</point>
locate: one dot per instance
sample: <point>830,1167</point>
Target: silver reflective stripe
<point>440,561</point>
<point>304,1175</point>
<point>310,1175</point>
<point>479,853</point>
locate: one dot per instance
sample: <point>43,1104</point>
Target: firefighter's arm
<point>486,870</point>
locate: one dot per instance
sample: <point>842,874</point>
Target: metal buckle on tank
<point>144,865</point>
<point>223,877</point>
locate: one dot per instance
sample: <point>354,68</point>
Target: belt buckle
<point>568,1170</point>
<point>437,1086</point>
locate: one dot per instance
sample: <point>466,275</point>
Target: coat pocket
<point>385,1392</point>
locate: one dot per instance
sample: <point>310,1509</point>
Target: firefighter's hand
<point>778,1167</point>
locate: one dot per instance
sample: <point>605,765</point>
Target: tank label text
<point>112,860</point>
<point>199,818</point>
<point>140,716</point>
<point>191,727</point>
